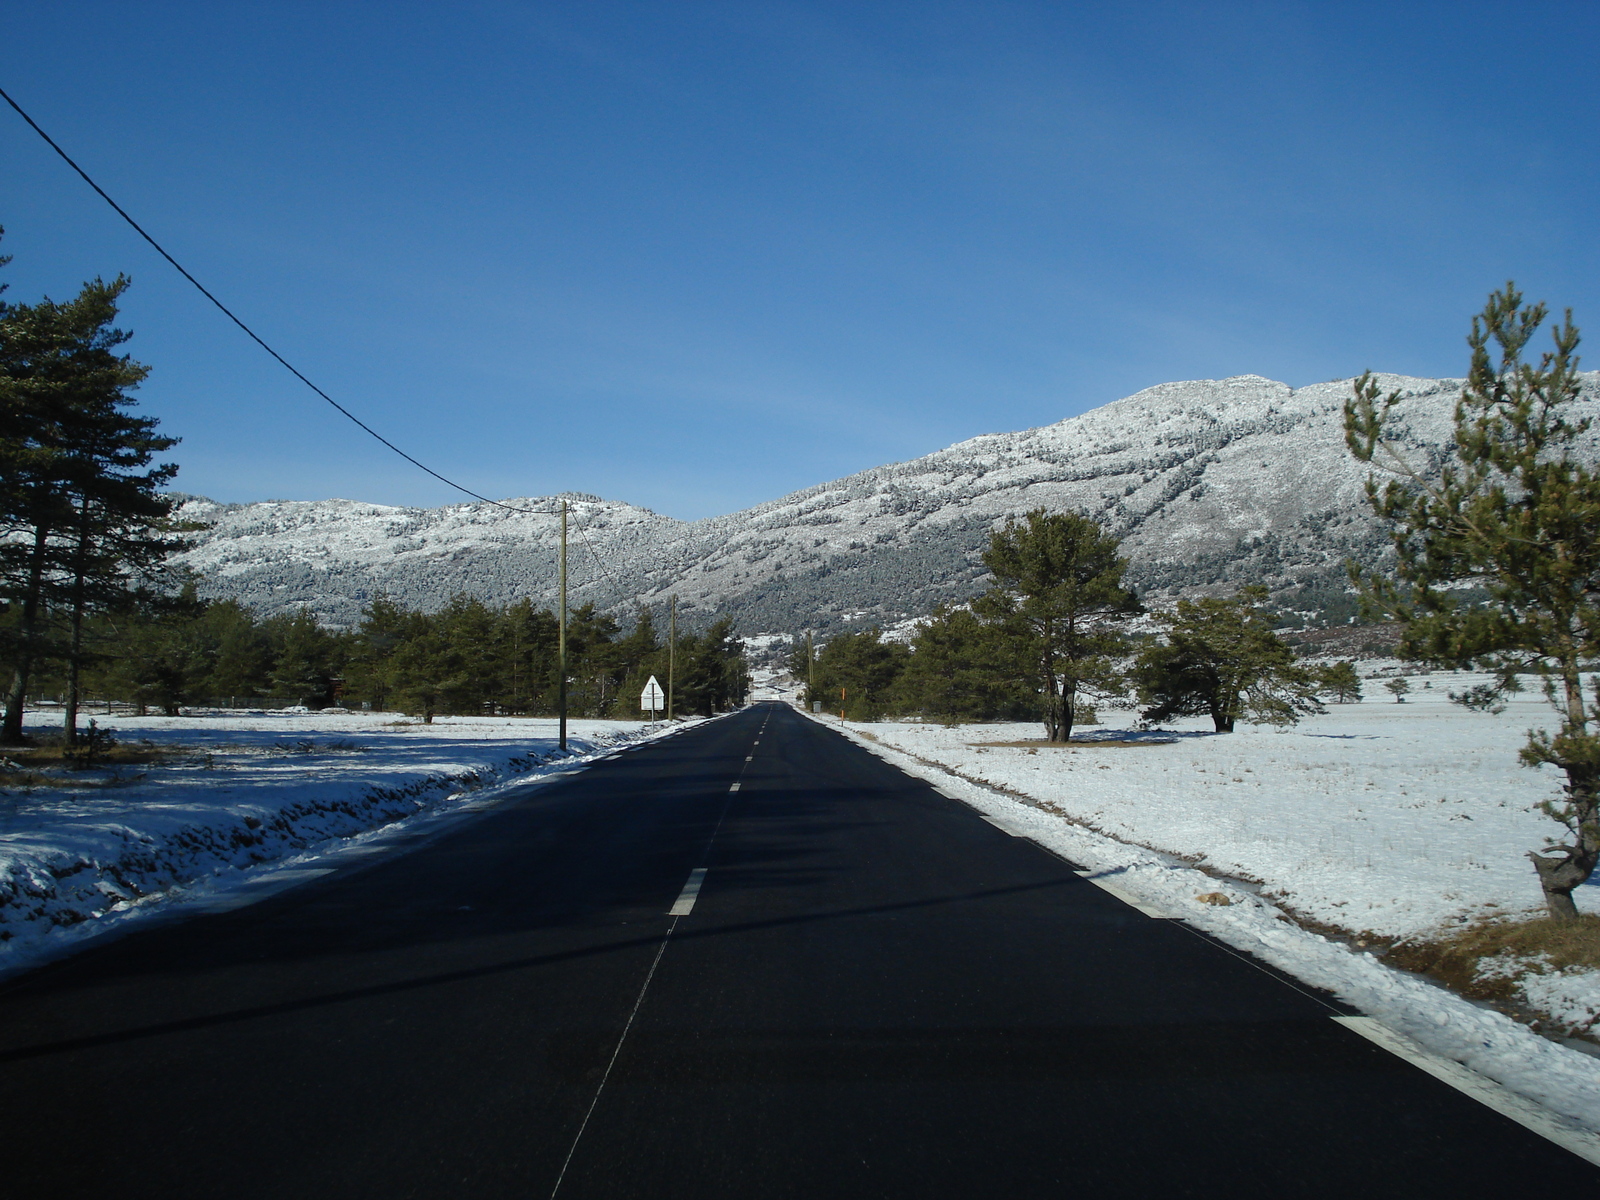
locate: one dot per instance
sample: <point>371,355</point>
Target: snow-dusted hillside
<point>334,555</point>
<point>1210,482</point>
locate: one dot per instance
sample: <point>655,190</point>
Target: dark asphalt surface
<point>877,994</point>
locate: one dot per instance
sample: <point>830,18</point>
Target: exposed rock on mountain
<point>1210,483</point>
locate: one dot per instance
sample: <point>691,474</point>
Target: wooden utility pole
<point>672,651</point>
<point>811,668</point>
<point>561,654</point>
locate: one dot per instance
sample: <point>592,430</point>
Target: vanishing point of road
<point>750,960</point>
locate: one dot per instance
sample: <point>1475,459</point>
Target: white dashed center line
<point>686,898</point>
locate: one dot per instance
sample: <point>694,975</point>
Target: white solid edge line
<point>1002,828</point>
<point>684,904</point>
<point>1127,898</point>
<point>1525,1112</point>
<point>254,891</point>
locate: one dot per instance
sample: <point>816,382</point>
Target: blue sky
<point>696,255</point>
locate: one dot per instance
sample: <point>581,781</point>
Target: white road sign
<point>652,698</point>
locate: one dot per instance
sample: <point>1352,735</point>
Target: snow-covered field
<point>1395,820</point>
<point>1380,817</point>
<point>247,794</point>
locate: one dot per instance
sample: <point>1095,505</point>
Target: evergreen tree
<point>857,674</point>
<point>962,668</point>
<point>85,513</point>
<point>237,654</point>
<point>592,664</point>
<point>801,660</point>
<point>123,529</point>
<point>1516,513</point>
<point>1059,593</point>
<point>161,654</point>
<point>1340,681</point>
<point>473,636</point>
<point>531,641</point>
<point>636,656</point>
<point>304,659</point>
<point>1221,659</point>
<point>422,669</point>
<point>385,625</point>
<point>712,675</point>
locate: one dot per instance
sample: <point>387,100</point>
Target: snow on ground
<point>247,791</point>
<point>1380,817</point>
<point>1386,818</point>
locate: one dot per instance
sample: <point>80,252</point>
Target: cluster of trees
<point>85,525</point>
<point>466,658</point>
<point>469,657</point>
<point>1050,641</point>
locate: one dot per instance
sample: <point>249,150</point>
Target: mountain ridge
<point>1209,483</point>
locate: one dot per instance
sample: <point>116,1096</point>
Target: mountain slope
<point>1209,482</point>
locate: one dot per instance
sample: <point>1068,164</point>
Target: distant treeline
<point>466,658</point>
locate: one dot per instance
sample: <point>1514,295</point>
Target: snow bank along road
<point>750,961</point>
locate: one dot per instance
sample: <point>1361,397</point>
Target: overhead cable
<point>251,333</point>
<point>290,367</point>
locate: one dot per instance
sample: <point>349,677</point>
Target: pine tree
<point>237,653</point>
<point>385,625</point>
<point>1059,592</point>
<point>857,674</point>
<point>473,636</point>
<point>1340,681</point>
<point>531,649</point>
<point>1221,659</point>
<point>85,514</point>
<point>965,669</point>
<point>635,656</point>
<point>1517,513</point>
<point>162,654</point>
<point>303,659</point>
<point>712,674</point>
<point>592,662</point>
<point>123,529</point>
<point>422,670</point>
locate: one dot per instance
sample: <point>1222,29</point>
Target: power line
<point>290,367</point>
<point>251,333</point>
<point>595,556</point>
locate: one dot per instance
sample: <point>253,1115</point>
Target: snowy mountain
<point>1210,483</point>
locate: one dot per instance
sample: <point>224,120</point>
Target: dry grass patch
<point>1489,960</point>
<point>118,755</point>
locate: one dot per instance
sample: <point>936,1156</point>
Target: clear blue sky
<point>695,255</point>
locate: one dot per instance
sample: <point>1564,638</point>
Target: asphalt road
<point>875,994</point>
